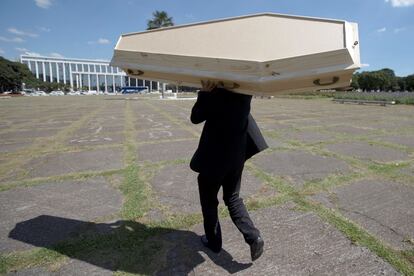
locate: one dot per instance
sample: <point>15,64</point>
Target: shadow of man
<point>127,246</point>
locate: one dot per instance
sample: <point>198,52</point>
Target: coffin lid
<point>258,37</point>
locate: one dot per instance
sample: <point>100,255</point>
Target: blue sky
<point>90,28</point>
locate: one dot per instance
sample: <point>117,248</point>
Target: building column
<point>113,83</point>
<point>106,84</point>
<point>80,81</point>
<point>77,81</point>
<point>57,72</point>
<point>129,81</point>
<point>37,70</point>
<point>70,76</point>
<point>29,65</point>
<point>64,73</point>
<point>150,86</point>
<point>51,72</point>
<point>97,81</point>
<point>44,70</point>
<point>89,81</point>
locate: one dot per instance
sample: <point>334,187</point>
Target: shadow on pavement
<point>127,246</point>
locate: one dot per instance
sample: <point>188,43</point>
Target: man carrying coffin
<point>230,136</point>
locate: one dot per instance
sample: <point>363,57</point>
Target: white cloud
<point>44,4</point>
<point>103,41</point>
<point>400,3</point>
<point>399,30</point>
<point>56,55</point>
<point>364,65</point>
<point>14,39</point>
<point>44,29</point>
<point>21,33</point>
<point>2,51</point>
<point>99,41</point>
<point>381,30</point>
<point>33,54</point>
<point>21,49</point>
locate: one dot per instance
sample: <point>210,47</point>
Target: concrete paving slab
<point>350,130</point>
<point>164,151</point>
<point>307,122</point>
<point>163,134</point>
<point>83,200</point>
<point>274,142</point>
<point>73,162</point>
<point>407,141</point>
<point>384,208</point>
<point>28,134</point>
<point>366,151</point>
<point>296,243</point>
<point>14,146</point>
<point>300,166</point>
<point>104,138</point>
<point>307,136</point>
<point>171,181</point>
<point>409,170</point>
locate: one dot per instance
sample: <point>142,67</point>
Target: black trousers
<point>208,189</point>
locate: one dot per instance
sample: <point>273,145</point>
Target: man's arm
<point>200,110</point>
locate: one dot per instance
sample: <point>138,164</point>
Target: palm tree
<point>160,19</point>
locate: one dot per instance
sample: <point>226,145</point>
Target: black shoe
<point>256,248</point>
<point>205,242</point>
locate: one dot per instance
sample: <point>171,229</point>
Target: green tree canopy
<point>160,19</point>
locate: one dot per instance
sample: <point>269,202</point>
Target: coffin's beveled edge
<point>310,18</point>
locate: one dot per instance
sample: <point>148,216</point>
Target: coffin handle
<point>135,73</point>
<point>228,86</point>
<point>318,81</point>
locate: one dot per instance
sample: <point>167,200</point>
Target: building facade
<point>83,74</point>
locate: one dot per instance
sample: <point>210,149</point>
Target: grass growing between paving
<point>42,146</point>
<point>350,229</point>
<point>136,246</point>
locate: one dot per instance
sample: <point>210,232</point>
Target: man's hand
<point>208,85</point>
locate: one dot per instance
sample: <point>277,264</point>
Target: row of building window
<point>84,75</point>
<point>75,67</point>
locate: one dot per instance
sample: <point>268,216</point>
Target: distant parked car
<point>40,93</point>
<point>92,92</point>
<point>57,93</point>
<point>110,93</point>
<point>74,93</point>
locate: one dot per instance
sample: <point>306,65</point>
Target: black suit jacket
<point>230,135</point>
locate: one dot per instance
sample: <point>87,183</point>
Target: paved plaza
<point>99,185</point>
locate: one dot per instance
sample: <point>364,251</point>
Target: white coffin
<point>262,54</point>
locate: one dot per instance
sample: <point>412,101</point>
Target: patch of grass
<point>350,229</point>
<point>136,194</point>
<point>42,145</point>
<point>28,259</point>
<point>409,255</point>
<point>361,237</point>
<point>335,180</point>
<point>387,169</point>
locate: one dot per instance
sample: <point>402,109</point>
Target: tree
<point>160,19</point>
<point>355,81</point>
<point>409,82</point>
<point>13,74</point>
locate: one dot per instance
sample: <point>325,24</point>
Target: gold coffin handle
<point>226,85</point>
<point>318,81</point>
<point>135,73</point>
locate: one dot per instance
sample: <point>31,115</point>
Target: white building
<point>83,74</point>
